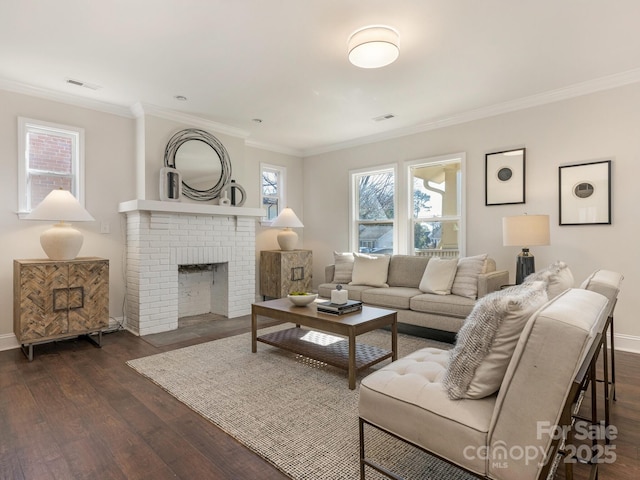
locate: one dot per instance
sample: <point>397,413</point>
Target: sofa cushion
<point>370,270</point>
<point>448,305</point>
<point>354,291</point>
<point>557,276</point>
<point>392,297</point>
<point>469,269</point>
<point>438,276</point>
<point>604,282</point>
<point>343,267</point>
<point>488,339</point>
<point>406,270</point>
<point>407,398</point>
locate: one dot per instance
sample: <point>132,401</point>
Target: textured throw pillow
<point>438,276</point>
<point>557,276</point>
<point>370,270</point>
<point>488,338</point>
<point>343,267</point>
<point>469,269</point>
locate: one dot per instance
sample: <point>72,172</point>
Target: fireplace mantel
<point>188,208</point>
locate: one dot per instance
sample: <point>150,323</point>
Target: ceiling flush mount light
<point>374,46</point>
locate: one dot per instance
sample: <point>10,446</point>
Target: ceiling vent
<point>79,83</point>
<point>387,116</point>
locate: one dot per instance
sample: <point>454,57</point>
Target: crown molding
<point>275,148</point>
<point>67,98</point>
<point>579,89</point>
<point>140,109</point>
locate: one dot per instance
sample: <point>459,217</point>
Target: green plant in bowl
<point>302,299</point>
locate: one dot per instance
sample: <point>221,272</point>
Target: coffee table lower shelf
<point>334,353</point>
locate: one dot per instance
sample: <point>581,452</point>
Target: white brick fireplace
<point>163,235</point>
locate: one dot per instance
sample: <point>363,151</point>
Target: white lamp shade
<point>525,230</point>
<point>287,238</point>
<point>61,241</point>
<point>60,205</point>
<point>374,46</point>
<point>287,218</point>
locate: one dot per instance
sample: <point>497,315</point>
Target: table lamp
<point>525,231</point>
<point>61,241</point>
<point>287,238</point>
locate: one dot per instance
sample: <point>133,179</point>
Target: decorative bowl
<point>302,300</point>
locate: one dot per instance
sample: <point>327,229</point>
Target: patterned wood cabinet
<point>283,272</point>
<point>54,299</point>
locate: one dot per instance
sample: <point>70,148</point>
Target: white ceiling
<point>285,61</point>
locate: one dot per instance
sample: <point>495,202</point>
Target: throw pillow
<point>343,267</point>
<point>438,276</point>
<point>370,270</point>
<point>488,338</point>
<point>557,276</point>
<point>469,269</point>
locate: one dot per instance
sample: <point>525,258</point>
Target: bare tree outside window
<point>376,211</point>
<point>272,190</point>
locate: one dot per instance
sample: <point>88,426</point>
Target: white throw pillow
<point>343,267</point>
<point>557,276</point>
<point>438,276</point>
<point>469,269</point>
<point>488,338</point>
<point>370,270</point>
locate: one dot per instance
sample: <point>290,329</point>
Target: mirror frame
<point>191,134</point>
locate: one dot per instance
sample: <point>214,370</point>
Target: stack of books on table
<point>340,308</point>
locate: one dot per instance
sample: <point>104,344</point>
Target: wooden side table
<point>55,299</point>
<point>282,272</point>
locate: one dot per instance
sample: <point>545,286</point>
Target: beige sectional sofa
<point>436,315</point>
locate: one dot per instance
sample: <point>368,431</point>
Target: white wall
<point>109,180</point>
<point>595,127</point>
<point>265,235</point>
<point>113,145</point>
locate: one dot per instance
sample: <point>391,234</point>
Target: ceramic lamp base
<point>61,242</point>
<point>287,239</point>
<point>525,265</point>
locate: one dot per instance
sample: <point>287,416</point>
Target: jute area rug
<point>298,414</point>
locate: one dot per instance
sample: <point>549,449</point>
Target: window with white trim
<point>436,202</point>
<point>373,211</point>
<point>50,156</point>
<point>272,181</point>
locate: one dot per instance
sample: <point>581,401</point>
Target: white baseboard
<point>8,341</point>
<point>626,343</point>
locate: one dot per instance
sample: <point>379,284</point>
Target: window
<point>272,190</point>
<point>373,211</point>
<point>436,206</point>
<point>50,156</point>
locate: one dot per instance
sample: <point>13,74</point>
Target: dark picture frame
<point>585,193</point>
<point>504,177</point>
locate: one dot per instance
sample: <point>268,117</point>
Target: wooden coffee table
<point>345,354</point>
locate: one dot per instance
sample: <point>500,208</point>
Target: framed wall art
<point>585,193</point>
<point>504,177</point>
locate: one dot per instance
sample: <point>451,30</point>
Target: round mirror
<point>202,161</point>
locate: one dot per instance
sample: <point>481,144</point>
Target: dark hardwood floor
<point>78,412</point>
